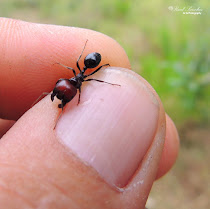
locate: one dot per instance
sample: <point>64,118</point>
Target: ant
<point>66,89</point>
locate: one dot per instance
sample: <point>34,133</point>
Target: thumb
<point>104,153</point>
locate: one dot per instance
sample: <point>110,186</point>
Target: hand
<point>104,153</point>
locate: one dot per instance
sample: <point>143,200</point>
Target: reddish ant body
<point>66,89</point>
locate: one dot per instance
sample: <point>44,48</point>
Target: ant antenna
<point>39,98</point>
<point>58,119</point>
<point>81,56</point>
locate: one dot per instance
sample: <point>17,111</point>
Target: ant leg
<point>44,93</point>
<point>79,96</point>
<point>60,106</point>
<point>70,68</point>
<point>58,118</point>
<point>81,56</point>
<point>92,79</point>
<point>52,96</point>
<point>96,70</point>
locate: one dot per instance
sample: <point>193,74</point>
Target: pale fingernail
<point>112,127</point>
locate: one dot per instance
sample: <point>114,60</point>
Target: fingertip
<point>49,158</point>
<point>29,51</point>
<point>171,148</point>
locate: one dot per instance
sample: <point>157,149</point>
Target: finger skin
<point>29,52</point>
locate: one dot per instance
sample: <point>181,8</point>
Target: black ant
<point>66,89</point>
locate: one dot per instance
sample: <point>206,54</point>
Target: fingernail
<point>112,127</point>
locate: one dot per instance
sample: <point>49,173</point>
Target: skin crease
<point>30,151</point>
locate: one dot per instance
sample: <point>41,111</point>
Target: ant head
<point>92,60</point>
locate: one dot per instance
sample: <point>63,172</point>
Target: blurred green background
<point>170,50</point>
